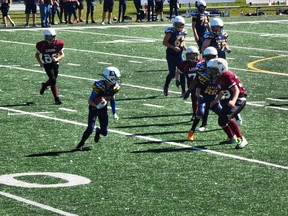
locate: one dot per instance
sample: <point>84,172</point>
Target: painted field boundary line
<point>42,206</point>
<point>152,139</point>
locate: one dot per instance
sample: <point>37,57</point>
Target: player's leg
<point>90,127</point>
<point>103,121</point>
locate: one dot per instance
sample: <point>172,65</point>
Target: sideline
<point>152,139</point>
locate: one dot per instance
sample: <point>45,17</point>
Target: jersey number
<point>48,58</point>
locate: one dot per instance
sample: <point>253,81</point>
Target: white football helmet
<point>111,74</point>
<point>49,35</point>
<point>200,3</point>
<point>179,22</point>
<point>192,50</point>
<point>216,67</point>
<point>210,53</point>
<point>216,22</point>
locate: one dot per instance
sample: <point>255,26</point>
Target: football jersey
<point>49,49</point>
<point>177,39</point>
<point>189,69</point>
<point>100,90</point>
<point>209,88</point>
<point>228,80</point>
<point>202,21</point>
<point>218,41</point>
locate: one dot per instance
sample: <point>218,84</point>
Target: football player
<point>52,52</point>
<point>200,22</point>
<point>206,92</point>
<point>188,68</point>
<point>103,91</point>
<point>235,94</point>
<point>217,38</point>
<point>209,53</point>
<point>174,40</point>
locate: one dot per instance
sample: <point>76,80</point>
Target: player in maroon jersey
<point>51,50</point>
<point>188,68</point>
<point>235,94</point>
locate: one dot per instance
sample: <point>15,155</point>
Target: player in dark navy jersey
<point>206,92</point>
<point>103,91</point>
<point>217,38</point>
<point>200,22</point>
<point>51,50</point>
<point>235,95</point>
<point>174,40</point>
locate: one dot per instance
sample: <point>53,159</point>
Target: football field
<point>145,166</point>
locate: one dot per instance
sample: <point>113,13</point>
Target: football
<point>100,102</point>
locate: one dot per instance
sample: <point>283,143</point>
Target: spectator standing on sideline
<point>200,22</point>
<point>61,8</point>
<point>55,10</point>
<point>45,6</point>
<point>150,10</point>
<point>30,7</point>
<point>173,4</point>
<point>107,7</point>
<point>103,91</point>
<point>235,100</point>
<point>174,40</point>
<point>90,11</point>
<point>51,50</point>
<point>122,9</point>
<point>5,6</point>
<point>137,4</point>
<point>80,7</point>
<point>159,9</point>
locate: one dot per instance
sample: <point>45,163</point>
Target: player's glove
<point>186,95</point>
<point>115,116</point>
<point>178,83</point>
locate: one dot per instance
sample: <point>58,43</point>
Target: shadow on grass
<point>160,116</point>
<point>151,71</point>
<point>57,153</point>
<point>29,103</point>
<point>153,125</point>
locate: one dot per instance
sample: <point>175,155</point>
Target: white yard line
<point>152,105</point>
<point>152,139</point>
<point>42,206</point>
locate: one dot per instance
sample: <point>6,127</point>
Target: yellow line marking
<point>251,65</point>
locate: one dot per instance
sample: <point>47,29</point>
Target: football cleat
<point>165,90</point>
<point>202,128</point>
<point>97,135</point>
<point>79,146</point>
<point>43,88</point>
<point>58,101</point>
<point>243,142</point>
<point>190,136</point>
<point>231,140</point>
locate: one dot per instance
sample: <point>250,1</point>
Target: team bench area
<point>268,8</point>
<point>188,9</point>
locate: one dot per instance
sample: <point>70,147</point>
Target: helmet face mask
<point>179,22</point>
<point>201,5</point>
<point>217,25</point>
<point>192,53</point>
<point>112,75</point>
<point>50,35</point>
<point>216,67</point>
